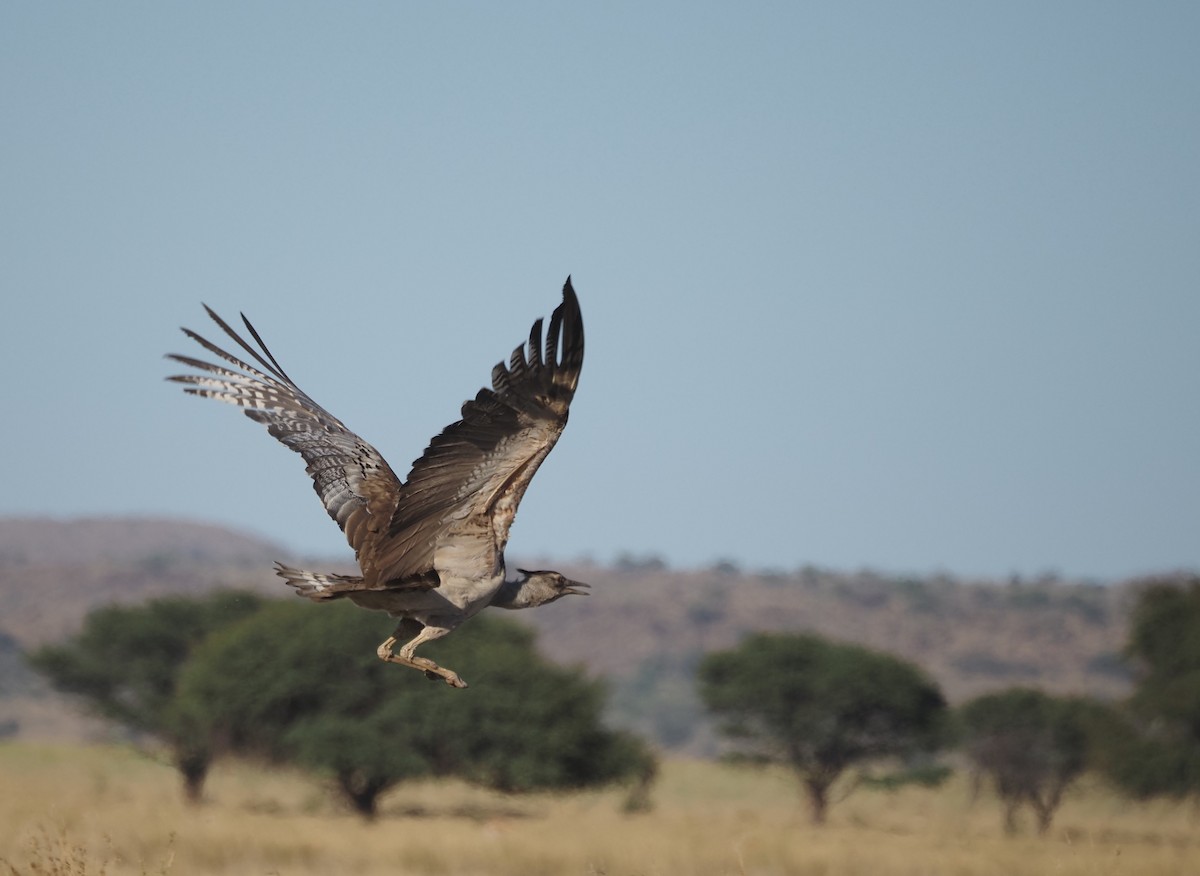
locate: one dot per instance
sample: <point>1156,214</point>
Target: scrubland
<point>113,811</point>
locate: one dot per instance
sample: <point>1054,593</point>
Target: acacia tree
<point>1031,745</point>
<point>820,707</point>
<point>301,685</point>
<point>125,664</point>
<point>1154,750</point>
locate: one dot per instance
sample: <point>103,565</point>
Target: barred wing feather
<point>355,484</point>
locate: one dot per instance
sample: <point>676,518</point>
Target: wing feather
<point>355,484</point>
<point>462,494</point>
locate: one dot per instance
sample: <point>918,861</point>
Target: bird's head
<point>532,589</point>
<point>541,587</point>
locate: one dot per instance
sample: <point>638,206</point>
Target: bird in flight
<point>431,547</point>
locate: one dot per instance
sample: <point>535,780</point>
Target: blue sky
<point>904,286</point>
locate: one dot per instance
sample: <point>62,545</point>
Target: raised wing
<point>355,484</point>
<point>461,496</point>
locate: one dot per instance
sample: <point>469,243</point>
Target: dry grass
<point>89,811</point>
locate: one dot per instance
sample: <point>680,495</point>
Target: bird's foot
<point>449,676</point>
<point>385,650</point>
<point>432,670</point>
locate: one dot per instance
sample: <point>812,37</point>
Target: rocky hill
<point>644,628</point>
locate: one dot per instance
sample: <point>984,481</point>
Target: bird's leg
<point>408,657</point>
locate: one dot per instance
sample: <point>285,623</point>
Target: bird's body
<point>430,548</point>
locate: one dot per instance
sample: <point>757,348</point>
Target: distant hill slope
<point>644,627</point>
<point>53,572</point>
<point>44,541</point>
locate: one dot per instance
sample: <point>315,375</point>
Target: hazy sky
<point>910,286</point>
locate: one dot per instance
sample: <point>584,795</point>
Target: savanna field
<point>85,810</point>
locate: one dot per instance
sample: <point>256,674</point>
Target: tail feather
<point>318,585</point>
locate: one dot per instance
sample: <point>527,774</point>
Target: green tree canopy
<point>1156,750</point>
<point>1031,745</point>
<point>820,707</point>
<point>1164,642</point>
<point>126,660</point>
<point>294,683</point>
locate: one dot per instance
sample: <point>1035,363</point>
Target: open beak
<point>578,588</point>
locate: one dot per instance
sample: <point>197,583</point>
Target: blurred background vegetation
<point>175,639</point>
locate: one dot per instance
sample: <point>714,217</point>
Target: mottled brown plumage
<point>430,548</point>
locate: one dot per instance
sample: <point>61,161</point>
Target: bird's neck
<point>515,594</point>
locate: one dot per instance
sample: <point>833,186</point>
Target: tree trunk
<point>364,803</point>
<point>362,792</point>
<point>1011,804</point>
<point>1045,814</point>
<point>193,766</point>
<point>1047,804</point>
<point>818,799</point>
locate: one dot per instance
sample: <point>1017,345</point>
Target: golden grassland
<point>106,810</point>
